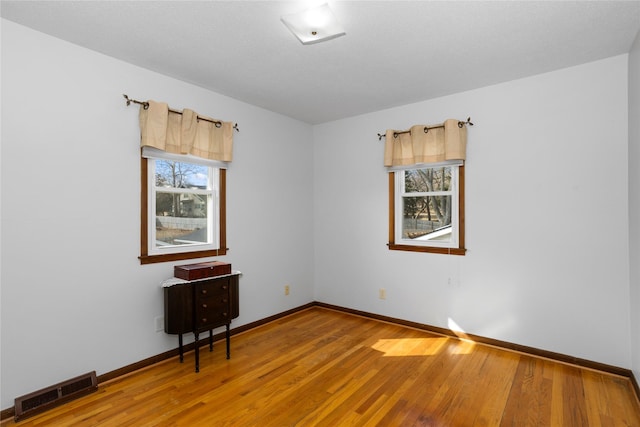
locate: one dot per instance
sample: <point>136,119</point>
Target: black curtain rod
<point>426,129</point>
<point>145,105</point>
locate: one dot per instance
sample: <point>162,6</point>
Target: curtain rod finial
<point>468,122</point>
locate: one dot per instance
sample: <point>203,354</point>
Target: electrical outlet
<point>382,293</point>
<point>159,321</point>
<point>286,289</point>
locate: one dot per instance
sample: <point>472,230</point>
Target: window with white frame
<point>184,215</point>
<point>427,211</point>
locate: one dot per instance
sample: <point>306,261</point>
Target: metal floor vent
<point>55,395</point>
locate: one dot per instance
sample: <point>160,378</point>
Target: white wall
<point>74,295</point>
<point>634,201</point>
<point>546,212</point>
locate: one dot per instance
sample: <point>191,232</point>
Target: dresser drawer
<point>213,302</point>
<point>207,289</point>
<point>210,315</point>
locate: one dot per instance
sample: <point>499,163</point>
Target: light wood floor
<point>320,367</point>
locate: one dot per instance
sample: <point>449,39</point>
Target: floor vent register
<point>55,395</point>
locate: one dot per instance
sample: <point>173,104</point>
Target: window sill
<point>429,249</point>
<point>151,259</point>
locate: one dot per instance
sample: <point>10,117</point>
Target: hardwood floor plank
<point>497,372</point>
<point>573,392</point>
<point>320,367</point>
<point>529,401</point>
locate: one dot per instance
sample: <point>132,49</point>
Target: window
<point>426,209</point>
<point>183,209</point>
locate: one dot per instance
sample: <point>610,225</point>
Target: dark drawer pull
<point>204,305</point>
<point>204,291</point>
<point>225,314</point>
<point>204,320</point>
<point>225,300</point>
<point>225,287</point>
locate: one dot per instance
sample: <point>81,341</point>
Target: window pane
<point>181,218</point>
<point>171,174</point>
<point>426,218</point>
<point>427,180</point>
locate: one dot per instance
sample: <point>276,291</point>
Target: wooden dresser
<point>201,305</point>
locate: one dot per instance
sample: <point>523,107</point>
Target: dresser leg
<point>210,339</point>
<point>197,352</point>
<point>228,343</point>
<point>180,348</point>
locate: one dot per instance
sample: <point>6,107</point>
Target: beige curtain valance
<point>426,144</point>
<point>185,133</point>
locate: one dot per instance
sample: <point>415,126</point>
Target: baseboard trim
<point>559,357</point>
<point>5,414</point>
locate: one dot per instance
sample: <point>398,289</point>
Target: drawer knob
<point>225,287</point>
<point>204,291</point>
<point>225,300</point>
<point>204,320</point>
<point>224,314</point>
<point>204,305</point>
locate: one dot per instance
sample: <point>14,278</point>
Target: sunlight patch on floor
<point>410,346</point>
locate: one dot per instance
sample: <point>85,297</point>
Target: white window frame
<point>213,207</point>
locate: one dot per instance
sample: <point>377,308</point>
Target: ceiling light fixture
<point>314,25</point>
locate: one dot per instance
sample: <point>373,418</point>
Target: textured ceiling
<point>394,52</point>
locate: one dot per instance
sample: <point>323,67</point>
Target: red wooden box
<point>201,270</point>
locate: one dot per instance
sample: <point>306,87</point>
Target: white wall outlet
<point>159,322</point>
<point>286,289</point>
<point>382,293</point>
